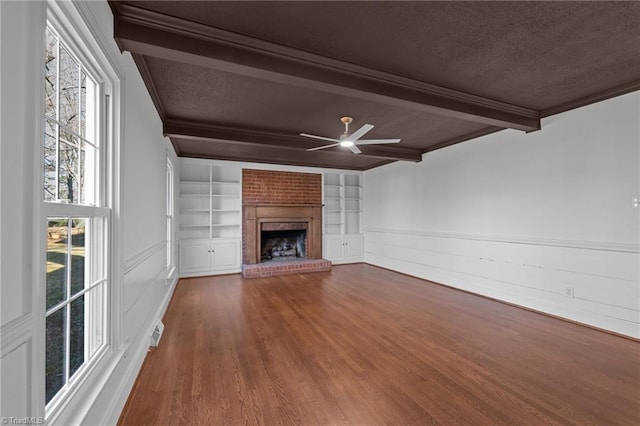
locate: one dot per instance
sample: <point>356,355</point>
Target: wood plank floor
<point>363,345</point>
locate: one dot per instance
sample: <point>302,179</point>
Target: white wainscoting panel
<point>602,279</point>
<point>139,272</point>
<point>15,367</point>
<point>15,371</point>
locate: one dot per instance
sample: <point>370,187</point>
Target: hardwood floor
<point>363,345</point>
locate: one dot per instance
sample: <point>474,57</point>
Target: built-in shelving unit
<point>342,221</point>
<point>333,204</point>
<point>210,201</point>
<point>226,202</point>
<point>210,215</point>
<point>352,204</point>
<point>342,204</point>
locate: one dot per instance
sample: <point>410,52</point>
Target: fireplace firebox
<point>282,245</point>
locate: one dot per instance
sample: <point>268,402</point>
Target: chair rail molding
<point>140,257</point>
<point>552,242</point>
<point>16,332</point>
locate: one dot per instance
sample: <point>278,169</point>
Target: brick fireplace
<point>282,223</point>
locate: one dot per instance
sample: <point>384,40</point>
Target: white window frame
<point>170,182</point>
<point>77,28</point>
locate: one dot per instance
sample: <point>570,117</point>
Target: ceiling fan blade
<point>376,141</point>
<point>354,149</point>
<point>360,132</point>
<point>323,147</point>
<point>319,137</point>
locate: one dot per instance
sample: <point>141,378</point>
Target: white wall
<point>142,284</point>
<point>17,109</point>
<point>521,217</point>
<point>17,105</point>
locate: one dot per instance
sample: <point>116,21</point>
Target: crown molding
<point>620,90</point>
<point>148,82</point>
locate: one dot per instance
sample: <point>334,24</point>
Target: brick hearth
<point>269,269</point>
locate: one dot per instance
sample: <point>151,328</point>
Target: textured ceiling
<point>266,71</point>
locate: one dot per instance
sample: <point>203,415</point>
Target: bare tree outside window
<point>67,138</point>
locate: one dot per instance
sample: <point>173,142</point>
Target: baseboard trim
<point>209,274</point>
<point>593,327</point>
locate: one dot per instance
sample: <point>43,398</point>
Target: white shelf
<point>194,195</point>
<point>194,182</point>
<point>210,195</point>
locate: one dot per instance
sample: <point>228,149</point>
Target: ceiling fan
<point>350,140</point>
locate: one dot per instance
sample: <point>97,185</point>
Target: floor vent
<point>157,334</point>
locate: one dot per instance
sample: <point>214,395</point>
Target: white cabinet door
<point>226,255</point>
<point>353,247</point>
<point>195,256</point>
<point>333,247</point>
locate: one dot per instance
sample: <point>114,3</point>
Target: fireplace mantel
<point>254,215</point>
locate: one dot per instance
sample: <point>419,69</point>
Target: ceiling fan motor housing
<point>349,140</point>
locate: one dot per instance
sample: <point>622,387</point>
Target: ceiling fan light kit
<point>348,140</point>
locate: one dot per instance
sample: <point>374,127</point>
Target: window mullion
<point>58,94</point>
<point>102,129</point>
<point>79,294</point>
<point>79,161</point>
<point>74,210</point>
<point>67,340</point>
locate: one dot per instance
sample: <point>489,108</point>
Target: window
<point>170,202</point>
<point>77,216</point>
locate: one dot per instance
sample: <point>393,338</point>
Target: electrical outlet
<point>568,291</point>
<point>635,201</point>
